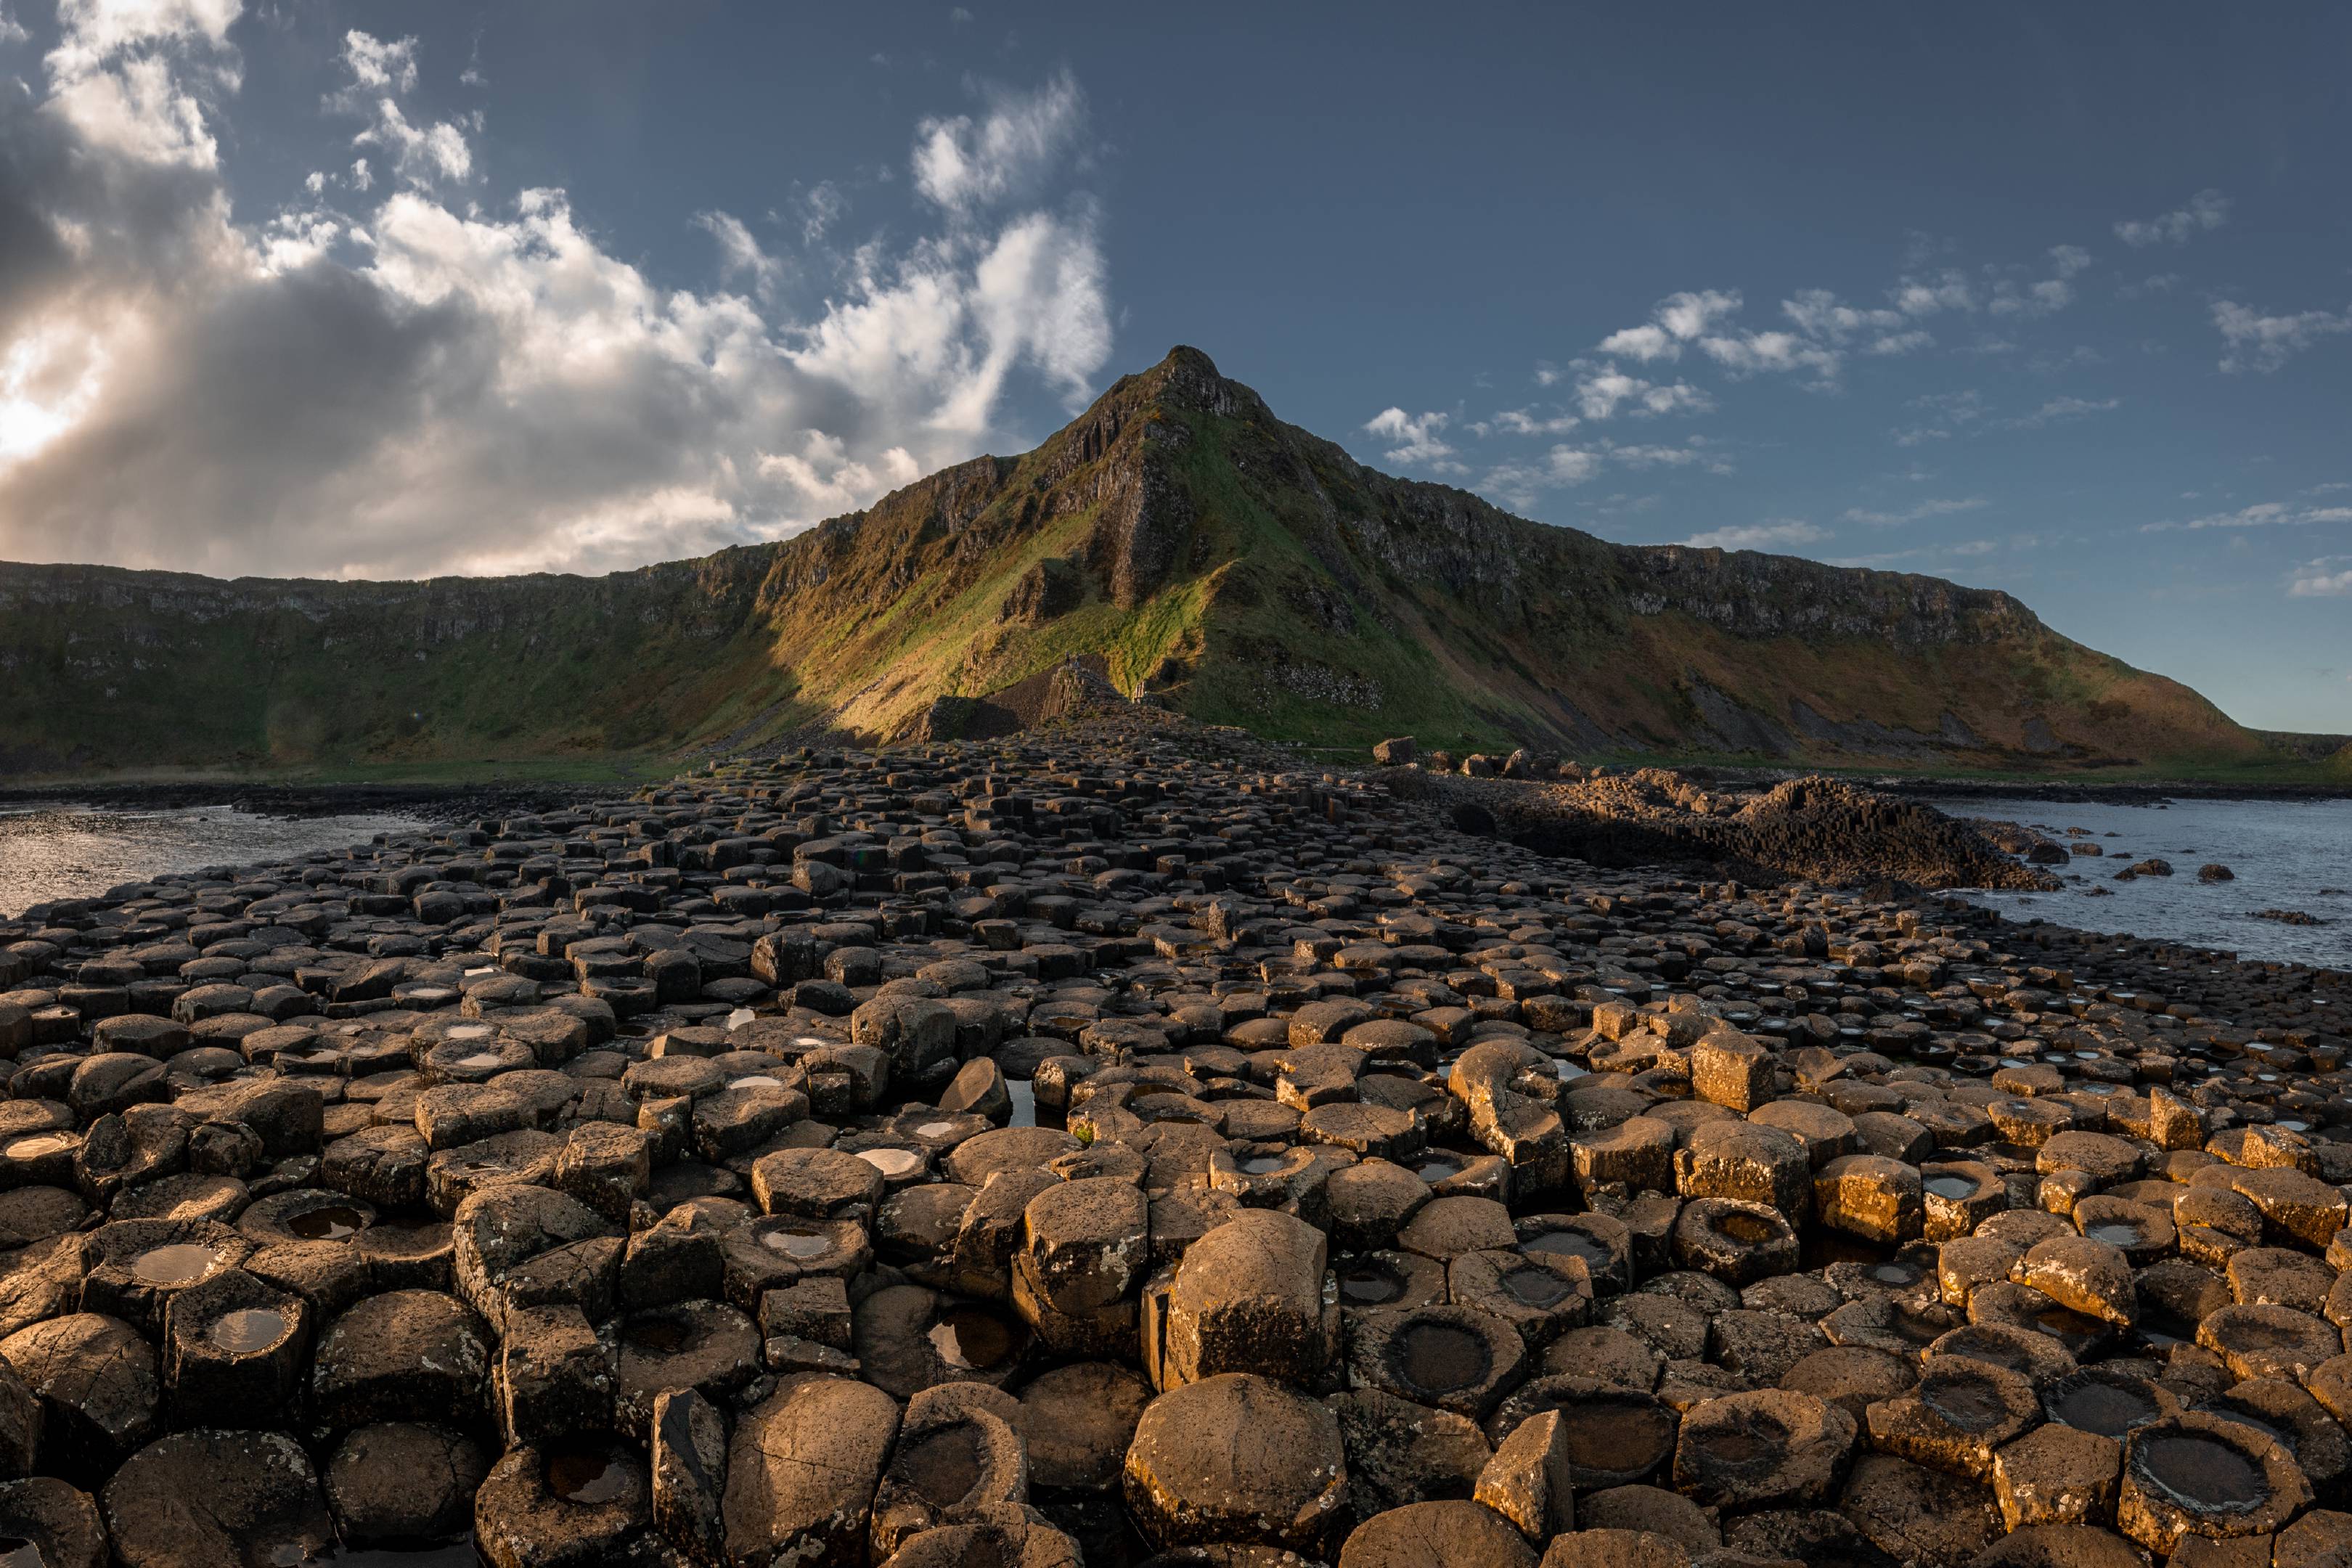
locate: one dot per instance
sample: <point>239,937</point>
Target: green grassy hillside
<point>1215,559</point>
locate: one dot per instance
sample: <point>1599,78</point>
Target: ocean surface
<point>69,851</point>
<point>2287,854</point>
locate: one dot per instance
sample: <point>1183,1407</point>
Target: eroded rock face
<point>975,1152</point>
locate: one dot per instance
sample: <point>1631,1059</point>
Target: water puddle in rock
<point>892,1162</point>
<point>177,1264</point>
<point>935,1129</point>
<point>2116,1233</point>
<point>799,1244</point>
<point>659,1336</point>
<point>2104,1408</point>
<point>757,1080</point>
<point>40,1144</point>
<point>250,1330</point>
<point>1023,1095</point>
<point>15,1551</point>
<point>330,1222</point>
<point>1537,1287</point>
<point>1749,1230</point>
<point>1896,1274</point>
<point>1439,1358</point>
<point>481,1061</point>
<point>1437,1170</point>
<point>1369,1283</point>
<point>974,1339</point>
<point>1617,1439</point>
<point>1971,1404</point>
<point>1596,1256</point>
<point>943,1467</point>
<point>2201,1471</point>
<point>1755,1442</point>
<point>587,1476</point>
<point>1264,1165</point>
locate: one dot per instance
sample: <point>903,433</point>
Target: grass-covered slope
<point>1209,555</point>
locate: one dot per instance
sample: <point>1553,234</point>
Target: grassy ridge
<point>1218,560</point>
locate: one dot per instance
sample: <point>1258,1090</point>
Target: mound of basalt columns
<point>1120,1146</point>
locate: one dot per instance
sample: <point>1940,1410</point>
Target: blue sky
<point>2054,300</point>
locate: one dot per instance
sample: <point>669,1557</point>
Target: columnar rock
<point>972,1151</point>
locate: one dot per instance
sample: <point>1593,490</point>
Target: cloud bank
<point>409,374</point>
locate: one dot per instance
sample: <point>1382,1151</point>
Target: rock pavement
<point>1115,1146</point>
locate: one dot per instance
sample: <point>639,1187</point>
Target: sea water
<point>2291,855</point>
<point>67,851</point>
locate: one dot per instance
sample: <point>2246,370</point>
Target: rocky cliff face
<point>1178,538</point>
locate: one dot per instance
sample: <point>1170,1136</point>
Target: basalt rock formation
<point>1177,538</point>
<point>1122,1147</point>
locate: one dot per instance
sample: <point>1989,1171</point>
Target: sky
<point>2051,299</point>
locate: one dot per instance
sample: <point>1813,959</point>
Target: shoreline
<point>434,802</point>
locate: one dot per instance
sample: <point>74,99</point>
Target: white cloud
<point>827,476</point>
<point>1674,321</point>
<point>2251,341</point>
<point>2069,259</point>
<point>1416,438</point>
<point>1893,344</point>
<point>2059,410</point>
<point>2205,210</point>
<point>740,255</point>
<point>1696,453</point>
<point>1752,353</point>
<point>2262,514</point>
<point>421,154</point>
<point>1526,422</point>
<point>134,78</point>
<point>963,163</point>
<point>1759,536</point>
<point>380,65</point>
<point>2326,577</point>
<point>1601,393</point>
<point>1817,313</point>
<point>1918,512</point>
<point>424,385</point>
<point>1926,296</point>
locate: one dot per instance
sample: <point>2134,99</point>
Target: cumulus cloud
<point>378,73</point>
<point>2205,210</point>
<point>2251,341</point>
<point>379,66</point>
<point>421,384</point>
<point>1751,353</point>
<point>966,161</point>
<point>740,255</point>
<point>1675,321</point>
<point>1759,536</point>
<point>1601,393</point>
<point>1415,439</point>
<point>2328,577</point>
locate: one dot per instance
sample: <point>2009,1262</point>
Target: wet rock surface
<point>1112,1146</point>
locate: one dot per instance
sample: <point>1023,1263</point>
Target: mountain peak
<point>1177,539</point>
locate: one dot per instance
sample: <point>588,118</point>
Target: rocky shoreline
<point>1119,1145</point>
